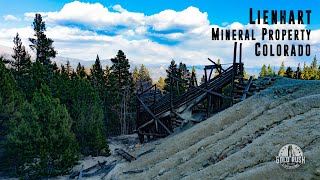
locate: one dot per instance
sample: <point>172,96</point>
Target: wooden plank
<point>125,155</point>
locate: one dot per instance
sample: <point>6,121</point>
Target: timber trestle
<point>158,115</point>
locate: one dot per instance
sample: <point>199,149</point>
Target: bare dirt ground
<point>241,142</point>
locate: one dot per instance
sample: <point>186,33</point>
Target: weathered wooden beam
<point>146,124</point>
<point>208,91</point>
<point>125,155</point>
<point>152,134</point>
<point>217,65</point>
<point>147,89</point>
<point>247,89</point>
<point>233,68</point>
<point>154,116</point>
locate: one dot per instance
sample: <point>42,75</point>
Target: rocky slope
<point>241,142</point>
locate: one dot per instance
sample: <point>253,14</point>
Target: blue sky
<point>218,12</point>
<point>151,31</point>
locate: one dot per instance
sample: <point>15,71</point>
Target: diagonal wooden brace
<point>154,116</point>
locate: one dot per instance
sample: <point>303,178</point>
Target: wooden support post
<point>171,93</point>
<point>208,96</point>
<point>241,65</point>
<point>154,94</point>
<point>233,70</point>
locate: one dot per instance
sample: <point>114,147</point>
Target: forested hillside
<point>50,116</point>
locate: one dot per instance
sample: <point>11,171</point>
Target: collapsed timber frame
<point>158,116</point>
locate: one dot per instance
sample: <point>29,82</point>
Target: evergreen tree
<point>121,91</point>
<point>42,132</point>
<point>245,76</point>
<point>80,71</point>
<point>184,76</point>
<point>10,99</point>
<point>120,70</point>
<point>193,78</point>
<point>86,111</point>
<point>145,80</point>
<point>160,83</point>
<point>298,72</point>
<point>68,68</point>
<point>269,72</point>
<point>97,75</point>
<point>41,44</point>
<point>289,73</point>
<point>306,72</point>
<point>263,71</point>
<point>135,78</point>
<point>314,68</point>
<point>173,71</point>
<point>282,70</point>
<point>22,62</point>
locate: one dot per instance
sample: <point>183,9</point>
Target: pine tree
<point>121,91</point>
<point>298,72</point>
<point>97,75</point>
<point>22,62</point>
<point>193,78</point>
<point>120,70</point>
<point>314,68</point>
<point>184,76</point>
<point>10,99</point>
<point>289,73</point>
<point>145,80</point>
<point>86,111</point>
<point>282,70</point>
<point>42,131</point>
<point>135,79</point>
<point>160,83</point>
<point>80,71</point>
<point>245,76</point>
<point>171,71</point>
<point>68,68</point>
<point>269,72</point>
<point>306,72</point>
<point>263,71</point>
<point>41,44</point>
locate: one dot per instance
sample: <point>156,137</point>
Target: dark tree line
<point>50,115</point>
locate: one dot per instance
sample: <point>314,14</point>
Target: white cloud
<point>94,16</point>
<point>170,19</point>
<point>119,8</point>
<point>10,17</point>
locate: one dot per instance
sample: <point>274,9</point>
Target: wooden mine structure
<point>158,115</point>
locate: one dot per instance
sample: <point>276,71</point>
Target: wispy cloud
<point>119,8</point>
<point>10,17</point>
